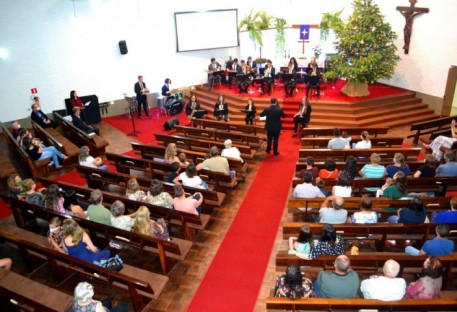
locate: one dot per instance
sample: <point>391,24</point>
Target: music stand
<point>132,106</point>
<point>199,114</point>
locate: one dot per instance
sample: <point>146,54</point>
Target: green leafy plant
<point>251,23</point>
<point>254,23</point>
<point>280,39</point>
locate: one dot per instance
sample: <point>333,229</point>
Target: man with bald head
<point>343,283</point>
<point>333,215</point>
<point>388,287</point>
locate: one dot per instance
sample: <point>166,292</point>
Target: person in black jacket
<point>141,97</point>
<point>80,124</point>
<point>303,115</point>
<point>273,125</point>
<point>41,118</point>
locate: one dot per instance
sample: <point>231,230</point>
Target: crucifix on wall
<point>409,13</point>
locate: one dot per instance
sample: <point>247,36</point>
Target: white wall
<point>56,47</point>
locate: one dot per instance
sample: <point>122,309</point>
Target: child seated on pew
<point>55,235</point>
<point>302,246</point>
<point>183,160</point>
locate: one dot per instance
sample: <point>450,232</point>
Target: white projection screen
<point>206,30</point>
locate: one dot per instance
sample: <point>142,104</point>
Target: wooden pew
<point>352,131</point>
<point>202,145</point>
<point>169,252</point>
<point>375,142</point>
<point>28,295</point>
<point>189,222</point>
<point>311,206</point>
<point>438,185</point>
<point>157,152</point>
<point>7,168</point>
<point>156,169</point>
<point>160,170</point>
<point>368,261</point>
<point>387,152</point>
<point>414,165</point>
<point>96,178</point>
<point>142,285</point>
<point>51,137</point>
<point>150,151</point>
<point>325,304</point>
<point>379,232</point>
<point>38,168</point>
<point>96,143</point>
<point>230,126</point>
<point>220,135</point>
<point>430,126</point>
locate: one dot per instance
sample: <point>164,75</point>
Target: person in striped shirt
<point>374,170</point>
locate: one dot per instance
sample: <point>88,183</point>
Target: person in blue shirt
<point>449,216</point>
<point>398,165</point>
<point>449,169</point>
<point>439,246</point>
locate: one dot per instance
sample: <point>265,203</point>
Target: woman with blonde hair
<point>79,244</point>
<point>86,160</point>
<point>15,186</point>
<point>144,225</point>
<point>133,191</point>
<point>171,154</point>
<point>373,170</point>
<point>365,143</point>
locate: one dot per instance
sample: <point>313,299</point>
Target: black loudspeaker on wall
<point>170,124</point>
<point>123,47</point>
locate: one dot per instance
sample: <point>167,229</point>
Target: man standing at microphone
<point>141,98</point>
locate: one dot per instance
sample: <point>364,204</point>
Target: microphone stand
<point>132,105</point>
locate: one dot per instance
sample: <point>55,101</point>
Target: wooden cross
<point>409,13</point>
<point>303,41</point>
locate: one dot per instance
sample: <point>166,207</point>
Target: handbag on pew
<point>113,263</point>
<point>159,229</point>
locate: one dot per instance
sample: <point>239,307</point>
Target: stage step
<point>392,111</point>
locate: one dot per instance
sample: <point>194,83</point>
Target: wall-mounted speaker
<point>123,47</point>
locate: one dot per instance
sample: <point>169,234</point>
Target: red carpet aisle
<point>234,278</point>
<point>146,127</point>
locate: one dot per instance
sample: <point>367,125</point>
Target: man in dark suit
<point>235,69</point>
<point>268,77</point>
<point>273,124</point>
<point>141,90</point>
<point>41,118</point>
<point>80,124</point>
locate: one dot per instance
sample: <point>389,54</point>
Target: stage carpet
<point>329,92</point>
<point>234,278</point>
<point>146,127</point>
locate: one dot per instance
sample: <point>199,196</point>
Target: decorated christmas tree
<point>365,45</point>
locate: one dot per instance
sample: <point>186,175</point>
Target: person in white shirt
<point>342,187</point>
<point>337,142</point>
<point>231,151</point>
<point>307,189</point>
<point>387,287</point>
<point>190,178</point>
<point>365,143</point>
<point>86,160</point>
